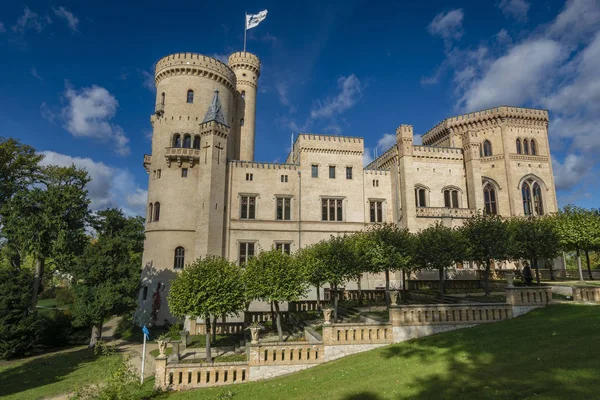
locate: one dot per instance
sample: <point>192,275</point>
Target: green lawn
<point>550,353</point>
<point>51,374</point>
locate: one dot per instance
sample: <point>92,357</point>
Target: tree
<point>18,326</point>
<point>106,278</point>
<point>439,247</point>
<point>487,238</point>
<point>19,167</point>
<point>274,276</point>
<point>578,230</point>
<point>311,259</point>
<point>207,287</point>
<point>340,266</point>
<point>534,239</point>
<point>49,218</point>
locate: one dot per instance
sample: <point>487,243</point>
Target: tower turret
<point>246,67</point>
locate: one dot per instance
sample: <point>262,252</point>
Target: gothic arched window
<point>179,257</point>
<point>177,140</point>
<point>190,96</point>
<point>196,142</point>
<point>487,148</point>
<point>187,141</point>
<point>489,198</point>
<point>538,203</point>
<point>525,146</point>
<point>150,212</point>
<point>526,193</point>
<point>451,198</point>
<point>519,149</point>
<point>533,147</point>
<point>156,211</point>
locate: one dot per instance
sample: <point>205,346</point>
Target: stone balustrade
<point>372,295</point>
<point>303,305</point>
<point>528,296</point>
<point>180,376</point>
<point>448,314</point>
<point>262,316</point>
<point>287,353</point>
<point>344,334</point>
<point>223,328</point>
<point>439,212</point>
<point>455,284</point>
<point>586,293</point>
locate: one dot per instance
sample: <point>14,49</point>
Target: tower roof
<point>215,111</point>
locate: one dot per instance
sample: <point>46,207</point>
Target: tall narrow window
<point>519,150</point>
<point>526,193</point>
<point>487,148</point>
<point>314,170</point>
<point>489,199</point>
<point>162,98</point>
<point>332,172</point>
<point>533,147</point>
<point>284,178</point>
<point>420,197</point>
<point>348,172</point>
<point>376,211</point>
<point>184,172</point>
<point>537,198</point>
<point>197,142</point>
<point>455,199</point>
<point>246,252</point>
<point>144,293</point>
<point>332,210</point>
<point>187,141</point>
<point>242,122</point>
<point>179,257</point>
<point>156,211</point>
<point>525,146</point>
<point>451,198</point>
<point>190,96</point>
<point>283,247</point>
<point>243,94</point>
<point>283,208</point>
<point>150,212</point>
<point>447,202</point>
<point>177,140</point>
<point>248,207</point>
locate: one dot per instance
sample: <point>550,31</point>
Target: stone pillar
<point>404,141</point>
<point>160,373</point>
<point>175,353</point>
<point>328,335</point>
<point>473,170</point>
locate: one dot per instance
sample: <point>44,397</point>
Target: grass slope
<point>51,374</point>
<point>550,353</point>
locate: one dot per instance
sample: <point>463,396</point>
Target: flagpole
<point>245,28</point>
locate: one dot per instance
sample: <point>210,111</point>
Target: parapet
<point>405,131</point>
<point>262,165</point>
<point>438,153</point>
<point>245,60</point>
<point>328,144</point>
<point>195,65</point>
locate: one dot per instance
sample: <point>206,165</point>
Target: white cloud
<point>349,93</point>
<point>108,187</point>
<point>367,156</point>
<point>2,28</point>
<point>147,80</point>
<point>89,113</point>
<point>33,71</point>
<point>386,141</point>
<point>282,91</point>
<point>570,172</point>
<point>31,20</point>
<point>71,19</point>
<point>577,20</point>
<point>447,25</point>
<point>515,8</point>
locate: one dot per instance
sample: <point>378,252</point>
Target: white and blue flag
<point>252,20</point>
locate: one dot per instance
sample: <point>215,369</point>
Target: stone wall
<point>286,353</point>
<point>448,314</point>
<point>528,296</point>
<point>588,294</point>
<point>352,334</point>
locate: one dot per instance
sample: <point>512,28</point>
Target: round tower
<point>246,67</point>
<point>186,84</point>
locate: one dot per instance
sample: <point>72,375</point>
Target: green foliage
<point>106,276</point>
<point>64,295</point>
<point>18,325</point>
<point>19,167</point>
<point>578,228</point>
<point>207,287</point>
<point>275,276</point>
<point>56,329</point>
<point>534,238</point>
<point>312,260</point>
<point>338,260</point>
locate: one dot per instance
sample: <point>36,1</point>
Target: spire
<point>215,112</point>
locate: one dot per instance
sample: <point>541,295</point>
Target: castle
<point>207,195</point>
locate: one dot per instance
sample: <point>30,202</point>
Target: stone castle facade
<point>207,195</point>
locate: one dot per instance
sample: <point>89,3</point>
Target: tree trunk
<point>208,352</point>
<point>96,335</point>
<point>335,302</point>
<point>37,280</point>
<point>579,266</point>
<point>318,297</point>
<point>403,296</point>
<point>551,268</point>
<point>279,330</point>
<point>273,316</point>
<point>441,270</point>
<point>486,278</point>
<point>387,280</point>
<point>359,287</point>
<point>537,271</point>
<point>214,330</point>
<point>587,257</point>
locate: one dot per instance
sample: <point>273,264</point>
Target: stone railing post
<point>328,334</point>
<point>175,353</point>
<point>184,339</point>
<point>160,373</point>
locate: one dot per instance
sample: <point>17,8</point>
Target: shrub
<point>56,329</point>
<point>64,295</point>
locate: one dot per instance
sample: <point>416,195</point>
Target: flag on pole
<point>252,20</point>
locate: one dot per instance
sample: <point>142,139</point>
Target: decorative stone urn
<point>393,294</point>
<point>510,276</point>
<point>162,346</point>
<point>327,315</point>
<point>254,334</point>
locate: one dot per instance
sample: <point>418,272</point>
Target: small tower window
<point>519,149</point>
<point>525,146</point>
<point>533,147</point>
<point>156,211</point>
<point>177,140</point>
<point>197,142</point>
<point>162,98</point>
<point>150,212</point>
<point>487,148</point>
<point>184,172</point>
<point>190,96</point>
<point>243,94</point>
<point>179,258</point>
<point>242,122</point>
<point>187,141</point>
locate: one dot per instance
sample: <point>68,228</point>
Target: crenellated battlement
<point>384,172</point>
<point>262,165</point>
<point>245,60</point>
<point>484,119</point>
<point>438,153</point>
<point>195,64</point>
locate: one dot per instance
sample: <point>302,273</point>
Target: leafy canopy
<point>487,237</point>
<point>439,247</point>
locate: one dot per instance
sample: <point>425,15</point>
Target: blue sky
<point>76,77</point>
